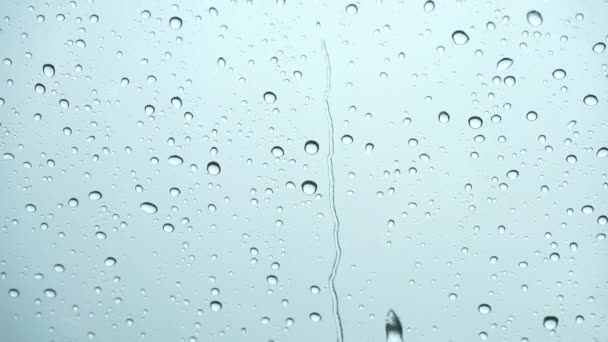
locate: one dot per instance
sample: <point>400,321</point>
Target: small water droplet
<point>176,102</point>
<point>315,317</point>
<point>571,159</point>
<point>347,139</point>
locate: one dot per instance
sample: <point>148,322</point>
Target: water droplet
<point>270,97</point>
<point>559,74</point>
<point>352,9</point>
<point>168,227</point>
<point>534,18</point>
<point>571,159</point>
<point>444,117</point>
<point>513,174</point>
<point>50,293</point>
<point>599,47</point>
<point>314,289</point>
<point>531,116</point>
<point>176,102</point>
<point>14,293</point>
<point>504,64</point>
<point>484,309</point>
<point>213,168</point>
<point>309,187</point>
<point>590,100</point>
<point>429,6</point>
<point>602,152</point>
<point>277,151</point>
<point>110,261</point>
<point>175,160</point>
<point>347,139</point>
<point>59,268</point>
<point>95,195</point>
<point>587,209</point>
<point>215,306</point>
<point>550,322</point>
<point>475,122</point>
<point>40,88</point>
<point>311,147</point>
<point>148,207</point>
<point>48,70</point>
<point>73,202</point>
<point>175,23</point>
<point>30,207</point>
<point>393,328</point>
<point>315,317</point>
<point>460,37</point>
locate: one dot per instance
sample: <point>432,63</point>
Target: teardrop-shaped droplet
<point>504,64</point>
<point>394,330</point>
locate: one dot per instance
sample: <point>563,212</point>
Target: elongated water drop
<point>394,330</point>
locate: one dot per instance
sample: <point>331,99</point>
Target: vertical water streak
<point>332,199</point>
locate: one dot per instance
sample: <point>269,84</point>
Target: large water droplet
<point>534,18</point>
<point>475,122</point>
<point>484,309</point>
<point>513,174</point>
<point>460,37</point>
<point>213,168</point>
<point>429,6</point>
<point>444,117</point>
<point>590,100</point>
<point>13,293</point>
<point>550,322</point>
<point>270,97</point>
<point>175,160</point>
<point>602,152</point>
<point>148,207</point>
<point>559,74</point>
<point>352,9</point>
<point>315,317</point>
<point>277,151</point>
<point>309,187</point>
<point>50,293</point>
<point>311,147</point>
<point>48,70</point>
<point>504,64</point>
<point>215,306</point>
<point>175,23</point>
<point>599,47</point>
<point>95,195</point>
<point>394,330</point>
<point>110,261</point>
